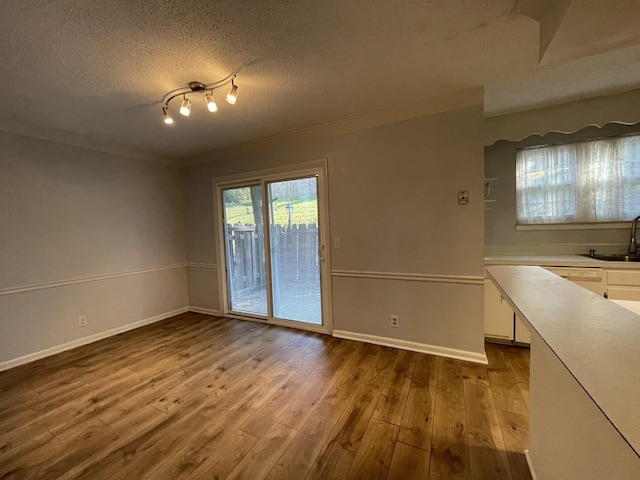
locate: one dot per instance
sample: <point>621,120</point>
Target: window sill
<point>574,226</point>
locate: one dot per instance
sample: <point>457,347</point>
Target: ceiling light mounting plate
<point>197,86</point>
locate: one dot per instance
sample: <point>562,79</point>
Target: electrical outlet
<point>395,321</point>
<point>463,197</point>
<point>82,321</point>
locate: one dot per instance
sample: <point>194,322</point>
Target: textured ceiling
<point>98,70</point>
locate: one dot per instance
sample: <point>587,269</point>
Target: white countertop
<point>632,305</point>
<point>555,260</point>
<point>597,340</point>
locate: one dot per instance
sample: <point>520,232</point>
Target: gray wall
<point>500,219</point>
<point>90,233</point>
<point>84,233</point>
<point>393,201</point>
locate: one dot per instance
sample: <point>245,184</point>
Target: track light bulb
<point>211,103</point>
<point>167,118</point>
<point>232,96</point>
<point>185,108</point>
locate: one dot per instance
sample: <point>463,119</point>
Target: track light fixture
<point>198,87</point>
<point>167,118</point>
<point>232,96</point>
<point>211,103</point>
<point>185,108</point>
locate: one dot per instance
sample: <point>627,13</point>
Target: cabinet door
<point>623,277</point>
<point>619,292</point>
<point>523,335</point>
<point>498,316</point>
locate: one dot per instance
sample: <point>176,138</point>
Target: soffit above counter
<point>565,118</point>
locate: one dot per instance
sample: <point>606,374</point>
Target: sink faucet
<point>633,246</point>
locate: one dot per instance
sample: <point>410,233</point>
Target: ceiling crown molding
<point>52,134</point>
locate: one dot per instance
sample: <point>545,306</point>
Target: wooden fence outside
<point>294,255</point>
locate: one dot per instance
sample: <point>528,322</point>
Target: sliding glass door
<point>273,249</point>
<point>295,253</point>
<point>245,254</point>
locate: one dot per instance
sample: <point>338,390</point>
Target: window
<point>583,182</point>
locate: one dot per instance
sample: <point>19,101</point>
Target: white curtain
<point>595,181</point>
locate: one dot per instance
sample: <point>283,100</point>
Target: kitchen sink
<point>614,257</point>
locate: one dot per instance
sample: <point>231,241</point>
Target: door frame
<point>316,168</point>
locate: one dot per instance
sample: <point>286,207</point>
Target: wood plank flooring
<point>205,397</point>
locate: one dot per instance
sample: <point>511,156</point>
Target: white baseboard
<point>527,455</point>
<point>86,340</point>
<point>206,311</point>
<point>414,346</point>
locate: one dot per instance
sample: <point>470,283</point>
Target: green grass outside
<point>304,212</point>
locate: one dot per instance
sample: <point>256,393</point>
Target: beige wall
<point>393,202</point>
<point>84,233</point>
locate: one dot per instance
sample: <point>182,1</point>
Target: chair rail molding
<point>96,278</point>
<point>411,277</point>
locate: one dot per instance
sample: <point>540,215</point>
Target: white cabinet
<point>500,323</point>
<point>522,333</point>
<point>498,316</point>
<point>623,284</point>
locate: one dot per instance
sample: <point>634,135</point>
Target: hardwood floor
<point>204,397</point>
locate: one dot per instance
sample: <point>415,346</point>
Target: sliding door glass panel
<point>295,265</point>
<point>244,249</point>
